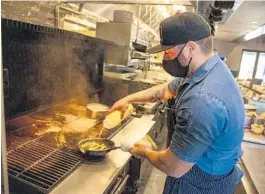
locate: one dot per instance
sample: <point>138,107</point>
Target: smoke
<point>60,73</point>
<point>45,68</point>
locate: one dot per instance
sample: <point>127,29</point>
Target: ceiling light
<point>179,8</point>
<point>253,22</point>
<point>255,33</point>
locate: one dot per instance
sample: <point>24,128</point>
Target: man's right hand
<point>121,105</point>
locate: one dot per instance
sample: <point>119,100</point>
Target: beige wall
<point>223,47</point>
<point>233,51</point>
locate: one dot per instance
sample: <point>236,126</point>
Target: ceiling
<point>247,17</point>
<point>241,22</point>
<point>151,12</point>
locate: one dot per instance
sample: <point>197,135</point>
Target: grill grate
<point>41,166</point>
<point>15,142</point>
<point>36,164</point>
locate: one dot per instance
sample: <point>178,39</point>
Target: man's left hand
<point>139,151</point>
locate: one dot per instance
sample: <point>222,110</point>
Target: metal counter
<point>95,177</point>
<point>254,162</point>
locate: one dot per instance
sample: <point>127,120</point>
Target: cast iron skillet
<point>108,143</point>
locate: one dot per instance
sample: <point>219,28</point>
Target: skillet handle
<point>114,148</point>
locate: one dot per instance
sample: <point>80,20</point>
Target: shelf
<point>254,90</point>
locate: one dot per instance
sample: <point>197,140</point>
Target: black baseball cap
<point>179,29</point>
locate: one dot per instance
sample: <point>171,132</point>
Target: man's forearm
<point>154,94</point>
<point>154,158</point>
<point>174,168</point>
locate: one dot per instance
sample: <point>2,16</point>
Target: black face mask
<point>174,67</point>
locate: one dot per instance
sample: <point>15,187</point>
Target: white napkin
<point>126,145</point>
<point>146,140</point>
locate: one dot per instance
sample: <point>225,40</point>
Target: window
<point>260,73</point>
<point>252,65</point>
<point>247,65</point>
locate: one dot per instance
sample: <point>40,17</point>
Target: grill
<point>36,164</point>
<point>39,165</point>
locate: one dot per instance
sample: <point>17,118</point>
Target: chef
<point>206,117</point>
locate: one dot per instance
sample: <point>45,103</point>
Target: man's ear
<point>193,47</point>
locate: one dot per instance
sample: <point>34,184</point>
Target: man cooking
<point>206,117</point>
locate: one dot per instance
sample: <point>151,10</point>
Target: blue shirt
<point>209,118</point>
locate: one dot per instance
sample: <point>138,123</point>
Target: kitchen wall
<point>42,13</point>
<point>224,47</point>
<point>35,12</point>
<point>233,51</point>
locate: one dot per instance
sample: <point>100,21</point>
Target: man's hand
<point>121,105</point>
<point>154,94</point>
<point>138,151</point>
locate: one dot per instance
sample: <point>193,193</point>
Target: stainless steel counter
<point>254,162</point>
<point>95,177</point>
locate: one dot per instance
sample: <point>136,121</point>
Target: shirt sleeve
<point>174,84</point>
<point>200,119</point>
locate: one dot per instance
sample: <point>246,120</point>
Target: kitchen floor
<point>154,184</point>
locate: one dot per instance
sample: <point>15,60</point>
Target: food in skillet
<point>93,146</point>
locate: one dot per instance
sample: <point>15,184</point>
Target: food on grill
<point>68,117</point>
<point>96,110</point>
<point>51,129</point>
<point>77,110</point>
<point>97,107</point>
<point>93,146</point>
<point>80,125</point>
<point>73,132</point>
<point>113,119</point>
